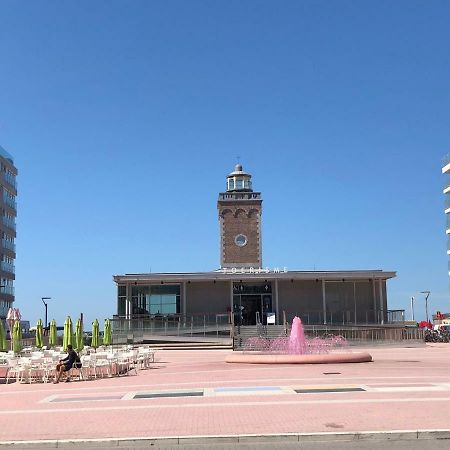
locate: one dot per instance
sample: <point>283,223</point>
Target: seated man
<point>66,364</point>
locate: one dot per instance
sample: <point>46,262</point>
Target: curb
<point>398,435</point>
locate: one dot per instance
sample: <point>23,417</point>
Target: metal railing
<point>10,179</point>
<point>239,196</point>
<point>10,201</point>
<point>396,316</point>
<point>7,267</point>
<point>344,317</point>
<point>223,326</point>
<point>369,333</point>
<point>217,326</point>
<point>10,223</point>
<point>10,245</point>
<point>7,290</point>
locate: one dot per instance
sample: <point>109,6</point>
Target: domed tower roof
<point>238,180</point>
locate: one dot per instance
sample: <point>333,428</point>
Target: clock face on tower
<point>240,240</point>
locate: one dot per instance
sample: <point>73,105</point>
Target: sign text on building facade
<point>253,270</point>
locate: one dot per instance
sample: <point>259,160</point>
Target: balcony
<point>446,185</point>
<point>10,245</point>
<point>10,179</point>
<point>231,196</point>
<point>9,222</point>
<point>4,307</point>
<point>7,267</point>
<point>446,163</point>
<point>9,290</point>
<point>10,201</point>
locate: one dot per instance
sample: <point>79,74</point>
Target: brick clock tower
<point>240,222</point>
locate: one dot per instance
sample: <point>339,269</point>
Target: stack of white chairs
<point>127,361</point>
<point>104,364</point>
<point>145,357</point>
<point>89,369</point>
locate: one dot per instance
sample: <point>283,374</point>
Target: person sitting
<point>66,364</point>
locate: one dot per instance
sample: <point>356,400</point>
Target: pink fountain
<point>297,342</point>
<point>297,349</point>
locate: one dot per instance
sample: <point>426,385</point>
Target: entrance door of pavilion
<point>251,301</point>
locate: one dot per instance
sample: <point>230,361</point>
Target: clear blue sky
<point>124,118</point>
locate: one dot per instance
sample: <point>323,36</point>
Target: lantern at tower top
<point>239,181</point>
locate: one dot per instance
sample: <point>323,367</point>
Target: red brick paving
<point>408,389</point>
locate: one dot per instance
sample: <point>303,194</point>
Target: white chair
<point>127,362</point>
<point>36,370</point>
<point>76,370</point>
<point>145,357</point>
<point>103,364</point>
<point>14,370</point>
<point>20,367</point>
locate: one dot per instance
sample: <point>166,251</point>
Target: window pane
<point>155,300</point>
<point>122,290</point>
<point>155,309</point>
<point>168,299</point>
<point>166,289</point>
<point>169,308</point>
<point>121,307</point>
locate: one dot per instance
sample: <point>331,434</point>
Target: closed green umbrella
<point>107,337</point>
<point>2,338</point>
<point>17,337</point>
<point>68,333</point>
<point>39,334</point>
<point>79,344</point>
<point>95,334</point>
<point>52,337</point>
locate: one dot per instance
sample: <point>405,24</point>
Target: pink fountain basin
<point>324,358</point>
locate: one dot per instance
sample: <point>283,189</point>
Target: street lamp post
<point>427,294</point>
<point>412,308</point>
<point>45,304</point>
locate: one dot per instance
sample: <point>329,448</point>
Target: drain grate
<point>322,390</point>
<point>332,373</point>
<point>168,394</point>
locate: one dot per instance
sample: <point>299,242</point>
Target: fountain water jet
<point>296,349</point>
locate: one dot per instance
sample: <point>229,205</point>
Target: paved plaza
<point>193,396</point>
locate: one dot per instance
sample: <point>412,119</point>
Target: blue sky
<point>124,119</point>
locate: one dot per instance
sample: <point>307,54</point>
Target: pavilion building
<point>246,288</point>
